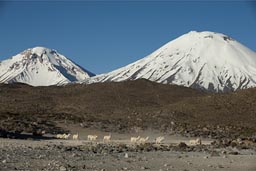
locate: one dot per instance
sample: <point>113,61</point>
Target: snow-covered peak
<point>41,66</point>
<point>203,60</point>
<point>40,50</point>
<point>211,46</point>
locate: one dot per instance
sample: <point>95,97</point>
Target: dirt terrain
<point>128,106</point>
<point>121,154</point>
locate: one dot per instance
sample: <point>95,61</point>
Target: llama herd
<point>140,140</point>
<point>135,140</point>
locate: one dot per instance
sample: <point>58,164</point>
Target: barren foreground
<point>83,155</point>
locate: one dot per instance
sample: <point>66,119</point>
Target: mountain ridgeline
<point>207,61</point>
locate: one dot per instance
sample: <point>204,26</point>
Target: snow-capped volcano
<point>40,66</point>
<point>203,60</point>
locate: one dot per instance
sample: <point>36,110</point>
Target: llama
<point>75,136</point>
<point>135,139</point>
<point>107,138</point>
<point>159,140</point>
<point>92,137</point>
<point>197,141</point>
<point>143,140</point>
<point>59,136</point>
<point>66,136</point>
<point>62,136</point>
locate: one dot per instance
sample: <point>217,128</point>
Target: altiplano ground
<point>119,154</point>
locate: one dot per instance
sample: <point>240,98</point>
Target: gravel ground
<point>82,155</point>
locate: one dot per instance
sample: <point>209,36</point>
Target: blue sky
<point>105,35</point>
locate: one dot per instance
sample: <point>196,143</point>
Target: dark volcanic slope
<point>125,105</point>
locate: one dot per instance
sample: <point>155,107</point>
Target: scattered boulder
<point>233,153</point>
<point>182,145</point>
<point>62,168</point>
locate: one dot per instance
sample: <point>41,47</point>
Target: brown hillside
<point>125,105</point>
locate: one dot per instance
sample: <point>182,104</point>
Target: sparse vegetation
<point>120,107</point>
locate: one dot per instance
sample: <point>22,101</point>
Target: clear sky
<point>105,35</point>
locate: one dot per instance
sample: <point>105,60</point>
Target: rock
<point>189,163</point>
<point>126,155</point>
<point>214,154</point>
<point>224,157</point>
<point>233,144</point>
<point>144,168</point>
<point>182,145</point>
<point>214,142</point>
<point>62,168</point>
<point>220,167</point>
<point>226,142</point>
<point>233,153</point>
<point>223,152</point>
<point>4,161</point>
